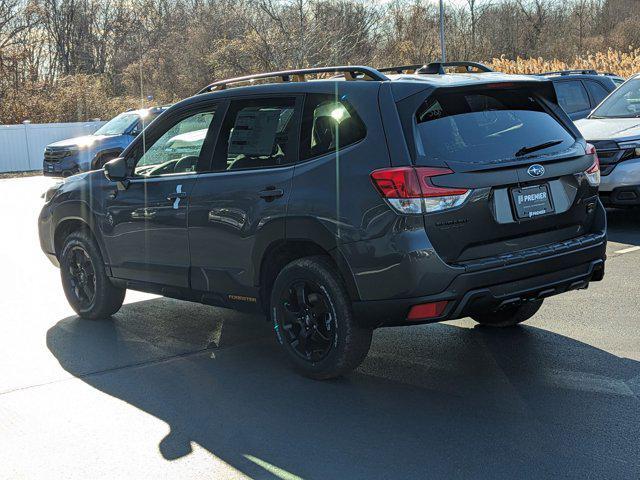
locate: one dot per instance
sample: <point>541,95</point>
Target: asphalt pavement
<point>170,389</point>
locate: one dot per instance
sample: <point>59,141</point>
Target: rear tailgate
<point>519,156</point>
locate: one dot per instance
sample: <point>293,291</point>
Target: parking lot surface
<point>177,390</point>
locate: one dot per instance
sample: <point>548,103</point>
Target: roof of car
<point>404,80</point>
<point>145,111</point>
<point>565,74</point>
<point>433,74</point>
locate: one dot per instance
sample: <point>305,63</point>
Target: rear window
<point>485,127</point>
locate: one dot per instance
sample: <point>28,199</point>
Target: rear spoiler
<point>542,86</point>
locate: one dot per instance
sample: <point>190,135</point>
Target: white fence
<point>22,146</point>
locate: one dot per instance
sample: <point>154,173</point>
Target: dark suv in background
<point>90,152</point>
<point>580,91</point>
<point>339,205</point>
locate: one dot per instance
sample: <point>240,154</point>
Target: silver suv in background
<point>614,129</point>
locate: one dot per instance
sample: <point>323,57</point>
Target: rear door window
<point>485,127</point>
<point>259,133</point>
<point>572,96</point>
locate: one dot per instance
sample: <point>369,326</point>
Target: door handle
<point>271,193</point>
<point>174,195</point>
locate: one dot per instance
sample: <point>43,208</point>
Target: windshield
<point>486,127</point>
<point>622,103</point>
<point>118,125</point>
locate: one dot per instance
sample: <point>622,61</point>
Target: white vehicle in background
<point>614,129</point>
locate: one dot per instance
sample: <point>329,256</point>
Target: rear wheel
<point>313,320</point>
<point>84,280</point>
<point>508,317</point>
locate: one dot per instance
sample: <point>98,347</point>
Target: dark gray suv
<point>341,204</point>
<point>580,91</point>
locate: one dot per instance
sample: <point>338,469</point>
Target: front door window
<point>177,151</point>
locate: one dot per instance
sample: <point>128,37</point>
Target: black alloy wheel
<point>312,316</point>
<point>82,276</point>
<point>309,323</point>
<point>86,285</point>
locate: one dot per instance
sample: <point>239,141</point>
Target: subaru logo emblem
<point>535,170</point>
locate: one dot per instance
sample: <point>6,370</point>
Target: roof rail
<point>437,68</point>
<point>401,68</point>
<point>350,73</point>
<point>583,71</point>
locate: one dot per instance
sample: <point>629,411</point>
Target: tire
<point>510,316</point>
<point>322,322</point>
<point>84,280</point>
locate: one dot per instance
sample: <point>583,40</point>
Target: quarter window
<point>597,91</point>
<point>572,96</point>
<point>329,124</point>
<point>178,150</point>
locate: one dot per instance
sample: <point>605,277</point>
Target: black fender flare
<point>307,230</point>
<point>116,152</point>
<point>78,211</point>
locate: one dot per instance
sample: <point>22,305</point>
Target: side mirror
<point>116,170</point>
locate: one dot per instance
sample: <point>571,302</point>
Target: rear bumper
<point>626,196</point>
<point>573,265</point>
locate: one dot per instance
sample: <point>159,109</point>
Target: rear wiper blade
<point>534,148</point>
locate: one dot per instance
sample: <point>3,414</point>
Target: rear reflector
<point>410,189</point>
<point>426,310</point>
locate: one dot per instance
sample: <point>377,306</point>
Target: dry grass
<point>621,63</point>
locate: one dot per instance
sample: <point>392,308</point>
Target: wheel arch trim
<point>77,212</point>
<point>300,248</point>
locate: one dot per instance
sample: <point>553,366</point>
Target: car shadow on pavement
<point>437,401</point>
<point>623,225</point>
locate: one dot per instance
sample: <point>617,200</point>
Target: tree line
<point>70,60</point>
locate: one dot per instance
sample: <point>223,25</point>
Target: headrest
<point>324,128</point>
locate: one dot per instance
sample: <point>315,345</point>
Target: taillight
<point>593,172</point>
<point>410,190</point>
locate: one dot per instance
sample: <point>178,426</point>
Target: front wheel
<point>510,316</point>
<point>313,320</point>
<point>100,161</point>
<point>84,280</point>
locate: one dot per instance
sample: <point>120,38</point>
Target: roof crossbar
<point>349,72</point>
<point>437,68</point>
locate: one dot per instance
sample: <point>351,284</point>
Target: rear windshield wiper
<point>534,148</point>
